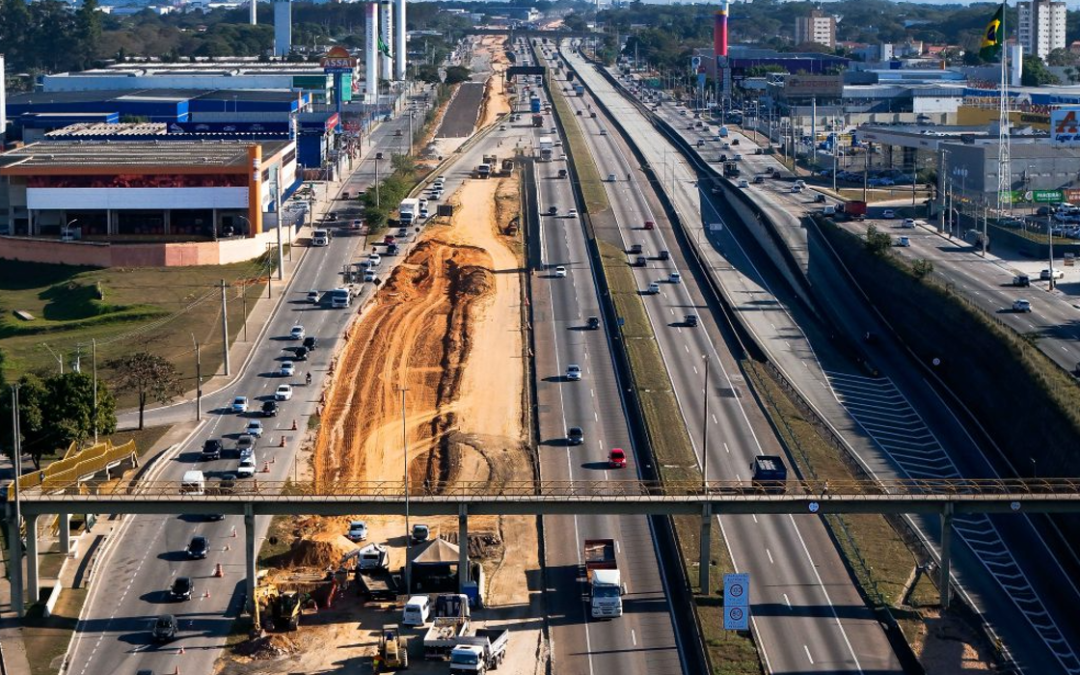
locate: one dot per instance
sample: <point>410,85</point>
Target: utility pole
<point>14,533</point>
<point>225,326</point>
<point>93,360</point>
<point>280,224</point>
<point>198,379</point>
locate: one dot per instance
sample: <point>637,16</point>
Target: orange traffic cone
<point>273,458</point>
<point>294,425</point>
<point>207,593</point>
<point>266,467</point>
<point>282,443</point>
<point>176,671</point>
<point>218,572</point>
<point>226,547</point>
<point>234,532</point>
<point>181,650</point>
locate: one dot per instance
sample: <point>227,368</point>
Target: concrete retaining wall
<point>94,254</point>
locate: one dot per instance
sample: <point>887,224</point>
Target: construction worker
<point>376,664</point>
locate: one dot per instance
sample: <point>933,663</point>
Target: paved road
<point>1000,564</point>
<point>809,617</point>
<point>461,116</point>
<point>148,552</point>
<point>643,640</point>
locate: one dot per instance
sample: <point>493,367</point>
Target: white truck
<point>193,483</point>
<point>547,147</point>
<point>480,652</point>
<point>408,210</point>
<point>320,237</point>
<point>605,581</point>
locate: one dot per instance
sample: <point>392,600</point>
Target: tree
<point>70,412</point>
<point>87,33</point>
<point>1035,73</point>
<point>922,268</point>
<point>456,74</point>
<point>877,242</point>
<point>1061,57</point>
<point>428,73</point>
<point>148,376</point>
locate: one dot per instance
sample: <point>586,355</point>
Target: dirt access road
<point>446,327</point>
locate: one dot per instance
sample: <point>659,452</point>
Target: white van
<point>246,468</point>
<point>416,611</point>
<point>320,238</point>
<point>193,483</point>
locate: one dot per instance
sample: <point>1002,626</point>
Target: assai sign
<point>1065,126</point>
<point>736,602</point>
<point>338,60</point>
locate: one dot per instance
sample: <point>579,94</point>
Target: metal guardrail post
<point>463,546</point>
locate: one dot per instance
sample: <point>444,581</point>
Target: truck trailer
<point>408,210</point>
<point>480,652</point>
<point>769,474</point>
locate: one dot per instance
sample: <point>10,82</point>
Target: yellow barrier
<point>91,461</point>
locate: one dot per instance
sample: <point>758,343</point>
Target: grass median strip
<point>592,188</point>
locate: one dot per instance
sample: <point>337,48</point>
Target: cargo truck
<point>547,146</point>
<point>378,583</point>
<point>579,90</point>
<point>538,120</point>
<point>407,210</point>
<point>483,171</point>
<point>480,652</point>
<point>769,474</point>
<point>605,582</point>
<point>193,483</point>
<point>534,104</point>
<point>443,636</point>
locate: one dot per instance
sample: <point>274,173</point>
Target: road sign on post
<point>736,602</point>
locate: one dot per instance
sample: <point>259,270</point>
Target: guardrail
<point>963,489</point>
<point>86,464</point>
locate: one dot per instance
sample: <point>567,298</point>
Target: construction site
<point>431,382</point>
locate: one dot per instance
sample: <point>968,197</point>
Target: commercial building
<point>229,76</point>
<point>143,191</point>
<point>971,169</point>
<point>819,28</point>
<point>1041,27</point>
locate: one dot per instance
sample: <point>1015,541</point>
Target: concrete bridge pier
<point>32,586</point>
<point>15,553</point>
<point>706,545</point>
<point>463,546</point>
<point>63,532</point>
<point>250,551</point>
<point>946,560</point>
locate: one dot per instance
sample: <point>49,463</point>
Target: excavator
<point>277,609</point>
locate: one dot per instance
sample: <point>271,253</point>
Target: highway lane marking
<point>787,600</point>
<point>808,654</point>
<point>769,553</point>
<point>633,636</point>
<point>726,448</point>
<point>713,419</point>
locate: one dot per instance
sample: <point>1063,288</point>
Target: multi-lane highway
<point>643,640</point>
<point>1003,565</point>
<point>820,622</point>
<point>146,553</point>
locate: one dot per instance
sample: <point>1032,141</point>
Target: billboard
<point>1065,126</point>
<point>338,60</point>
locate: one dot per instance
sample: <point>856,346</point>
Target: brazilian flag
<point>383,47</point>
<point>990,47</point>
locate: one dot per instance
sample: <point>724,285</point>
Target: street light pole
<point>705,430</point>
<point>198,378</point>
<point>15,542</point>
<point>408,534</point>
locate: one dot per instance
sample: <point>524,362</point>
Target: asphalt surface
<point>807,615</point>
<point>1000,564</point>
<point>642,640</point>
<point>148,552</point>
<point>461,115</point>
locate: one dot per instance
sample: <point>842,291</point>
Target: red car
<point>617,458</point>
<point>649,224</point>
<point>389,239</point>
